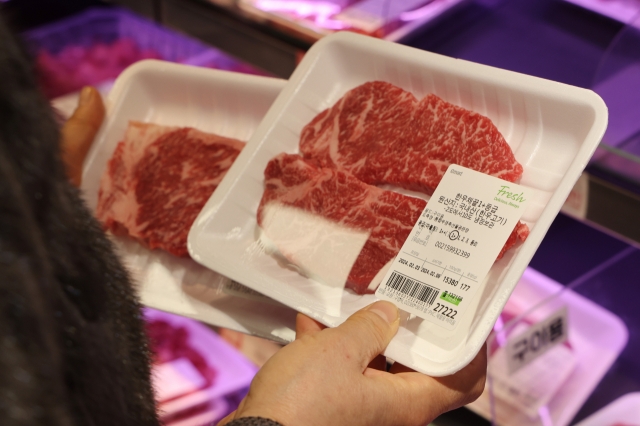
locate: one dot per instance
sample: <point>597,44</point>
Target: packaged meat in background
<point>170,344</point>
<point>158,180</point>
<point>96,45</point>
<point>77,66</point>
<point>196,374</point>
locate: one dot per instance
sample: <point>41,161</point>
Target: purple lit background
<point>376,17</point>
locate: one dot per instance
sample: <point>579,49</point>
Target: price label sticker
<point>452,247</point>
<point>537,340</point>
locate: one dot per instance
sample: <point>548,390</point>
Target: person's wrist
<point>254,421</point>
<point>272,413</point>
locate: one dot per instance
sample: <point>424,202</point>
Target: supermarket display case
<point>590,256</point>
<point>549,350</point>
<point>312,19</point>
<point>93,47</point>
<point>273,34</point>
<point>616,78</point>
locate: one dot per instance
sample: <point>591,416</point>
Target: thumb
<point>229,417</point>
<point>366,334</point>
<point>78,132</point>
<point>307,326</point>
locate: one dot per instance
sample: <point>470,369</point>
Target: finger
<point>366,333</point>
<point>80,130</point>
<point>378,363</point>
<point>397,368</point>
<point>307,326</point>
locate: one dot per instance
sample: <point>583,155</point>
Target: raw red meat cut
<point>519,233</point>
<point>340,197</point>
<point>383,135</point>
<point>158,180</point>
<point>337,195</point>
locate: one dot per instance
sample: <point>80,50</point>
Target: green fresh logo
<point>451,298</point>
<point>504,192</point>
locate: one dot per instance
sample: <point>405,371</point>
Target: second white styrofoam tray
<point>226,103</point>
<point>552,129</point>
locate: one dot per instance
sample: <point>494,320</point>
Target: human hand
<point>324,378</point>
<point>78,132</point>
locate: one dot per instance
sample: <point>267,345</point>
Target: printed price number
<point>450,281</point>
<point>464,287</point>
<point>445,310</point>
<point>452,249</point>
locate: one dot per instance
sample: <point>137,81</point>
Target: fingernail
<point>85,95</point>
<point>386,310</point>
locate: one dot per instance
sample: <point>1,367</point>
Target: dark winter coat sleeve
<point>253,421</point>
<point>72,347</point>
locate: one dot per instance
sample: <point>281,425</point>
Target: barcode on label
<point>412,288</point>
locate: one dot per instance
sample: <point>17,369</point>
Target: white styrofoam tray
<point>226,103</point>
<point>596,337</point>
<point>552,129</point>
